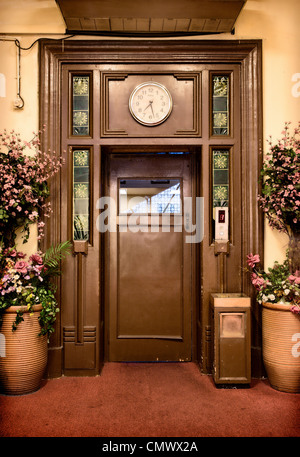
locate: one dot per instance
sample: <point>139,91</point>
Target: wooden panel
<point>87,24</point>
<point>116,24</point>
<point>184,120</point>
<point>79,354</point>
<point>156,24</point>
<point>153,288</point>
<point>102,23</point>
<point>164,17</point>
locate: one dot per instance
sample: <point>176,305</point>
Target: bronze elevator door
<point>149,284</point>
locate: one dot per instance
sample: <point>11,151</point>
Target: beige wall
<point>273,21</point>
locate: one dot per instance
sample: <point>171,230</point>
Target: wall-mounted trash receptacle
<point>232,338</point>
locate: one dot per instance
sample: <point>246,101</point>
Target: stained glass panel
<point>81,194</point>
<point>81,103</point>
<point>220,177</point>
<point>220,105</point>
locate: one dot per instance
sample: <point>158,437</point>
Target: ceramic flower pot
<point>23,352</point>
<point>280,345</point>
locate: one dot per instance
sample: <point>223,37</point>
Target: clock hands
<point>150,104</point>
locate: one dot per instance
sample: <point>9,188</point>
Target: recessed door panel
<point>149,298</point>
<point>150,280</point>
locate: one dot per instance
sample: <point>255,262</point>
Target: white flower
<point>286,291</point>
<point>271,297</point>
<point>19,290</point>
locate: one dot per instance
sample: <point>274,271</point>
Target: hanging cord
<point>39,39</point>
<point>19,102</point>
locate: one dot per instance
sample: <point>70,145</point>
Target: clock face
<point>150,103</point>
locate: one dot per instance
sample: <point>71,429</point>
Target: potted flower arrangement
<point>28,309</point>
<point>278,289</point>
<point>24,174</point>
<point>28,306</point>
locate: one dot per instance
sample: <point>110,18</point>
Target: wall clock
<point>150,103</point>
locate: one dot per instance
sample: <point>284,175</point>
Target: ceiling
<point>150,17</point>
<point>128,17</point>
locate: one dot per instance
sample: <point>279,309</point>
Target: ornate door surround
<point>241,57</point>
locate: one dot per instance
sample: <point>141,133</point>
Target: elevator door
<point>149,272</point>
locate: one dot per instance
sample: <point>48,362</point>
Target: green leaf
<point>56,253</point>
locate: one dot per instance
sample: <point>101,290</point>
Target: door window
<point>145,196</point>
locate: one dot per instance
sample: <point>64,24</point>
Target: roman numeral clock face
<point>150,103</point>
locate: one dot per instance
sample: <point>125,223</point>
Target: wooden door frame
<point>53,54</point>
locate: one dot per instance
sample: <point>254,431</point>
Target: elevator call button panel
<point>221,221</point>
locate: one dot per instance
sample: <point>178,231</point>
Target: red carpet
<point>152,400</point>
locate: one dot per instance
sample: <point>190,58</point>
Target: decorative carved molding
<point>89,334</point>
<point>196,78</point>
<point>120,96</point>
<point>105,117</point>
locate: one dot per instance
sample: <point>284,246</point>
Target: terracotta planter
<point>24,351</point>
<point>280,345</point>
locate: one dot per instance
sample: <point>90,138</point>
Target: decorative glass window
<point>81,194</point>
<point>220,105</point>
<point>81,105</point>
<point>220,177</point>
<point>145,196</point>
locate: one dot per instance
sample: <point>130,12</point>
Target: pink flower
<point>295,278</point>
<point>33,216</point>
<point>295,309</point>
<point>252,260</point>
<point>38,268</point>
<point>258,282</point>
<point>35,258</point>
<point>21,266</point>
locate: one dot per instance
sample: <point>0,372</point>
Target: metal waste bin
<point>232,338</point>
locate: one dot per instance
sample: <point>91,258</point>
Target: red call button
<point>221,216</point>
